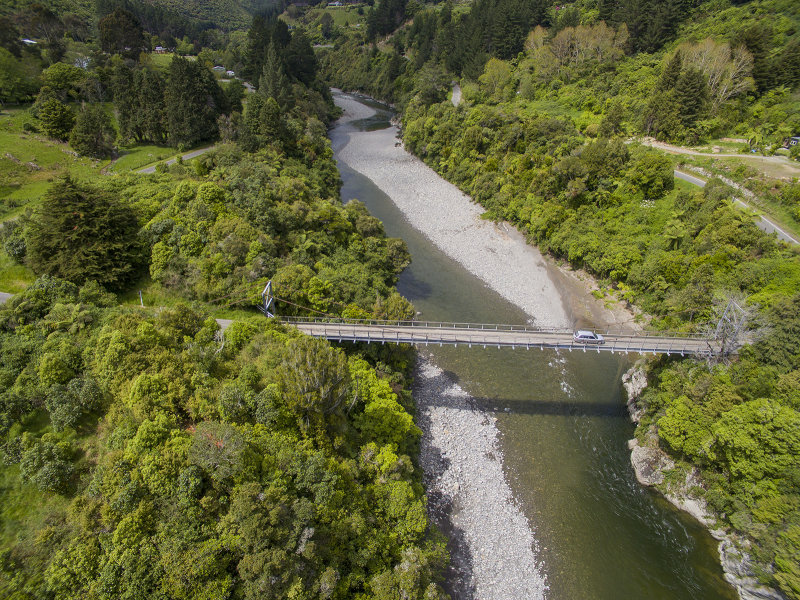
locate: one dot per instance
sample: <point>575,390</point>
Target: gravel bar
<point>493,550</point>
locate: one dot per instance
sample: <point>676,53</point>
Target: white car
<point>583,336</point>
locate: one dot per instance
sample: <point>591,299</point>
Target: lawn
<point>137,157</point>
<point>14,277</point>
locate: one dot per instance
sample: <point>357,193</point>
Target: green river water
<point>564,430</point>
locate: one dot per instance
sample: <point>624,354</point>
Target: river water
<point>564,433</point>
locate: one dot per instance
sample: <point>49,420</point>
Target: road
<point>763,223</point>
<point>782,160</point>
<point>4,296</point>
<point>187,156</point>
<point>517,337</point>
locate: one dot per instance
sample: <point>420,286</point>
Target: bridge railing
<point>491,327</point>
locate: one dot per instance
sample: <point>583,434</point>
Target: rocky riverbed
<point>492,544</point>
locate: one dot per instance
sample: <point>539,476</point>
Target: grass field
<point>343,16</point>
<point>29,162</point>
<point>137,157</point>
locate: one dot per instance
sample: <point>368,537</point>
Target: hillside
<point>545,136</point>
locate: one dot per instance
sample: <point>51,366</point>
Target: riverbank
<point>494,554</point>
<point>491,544</point>
<point>651,464</point>
<point>495,253</point>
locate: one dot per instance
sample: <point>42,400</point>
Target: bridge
<point>724,342</point>
<point>498,336</point>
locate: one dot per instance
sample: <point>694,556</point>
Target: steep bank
<point>651,464</point>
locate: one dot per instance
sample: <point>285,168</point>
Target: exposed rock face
<point>635,381</point>
<point>650,463</point>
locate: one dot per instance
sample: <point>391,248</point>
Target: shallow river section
<point>564,433</point>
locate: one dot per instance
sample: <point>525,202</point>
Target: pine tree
<point>81,234</point>
<point>691,93</point>
<point>93,134</point>
<point>671,73</point>
<point>273,82</point>
<point>57,118</point>
<point>193,101</point>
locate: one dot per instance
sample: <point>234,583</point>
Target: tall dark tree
<point>121,33</point>
<point>273,82</point>
<point>788,64</point>
<point>93,134</point>
<point>10,37</point>
<point>301,62</point>
<point>758,41</point>
<point>151,119</point>
<point>691,94</point>
<point>671,73</point>
<point>194,100</point>
<point>80,234</point>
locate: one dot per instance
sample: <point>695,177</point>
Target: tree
<point>93,134</point>
<point>79,233</point>
<point>17,78</point>
<point>315,381</point>
<point>63,79</point>
<point>193,102</point>
<point>57,118</point>
<point>273,82</point>
<point>671,72</point>
<point>691,93</point>
<point>496,79</point>
<point>121,33</point>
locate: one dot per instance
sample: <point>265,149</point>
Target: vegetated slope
<point>222,14</point>
<point>539,139</point>
<point>145,454</point>
<point>145,458</point>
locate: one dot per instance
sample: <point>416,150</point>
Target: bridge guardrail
<point>492,327</point>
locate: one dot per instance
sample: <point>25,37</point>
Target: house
<point>230,74</point>
<point>160,50</point>
<point>792,141</point>
<point>218,69</point>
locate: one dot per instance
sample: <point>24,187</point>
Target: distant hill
<point>221,14</point>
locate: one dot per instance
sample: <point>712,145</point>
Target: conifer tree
<point>691,93</point>
<point>80,234</point>
<point>671,73</point>
<point>273,82</point>
<point>93,134</point>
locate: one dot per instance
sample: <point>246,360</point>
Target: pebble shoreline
<point>492,544</point>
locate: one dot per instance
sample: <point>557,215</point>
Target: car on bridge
<point>582,336</point>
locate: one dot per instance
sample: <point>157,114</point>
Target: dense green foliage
<point>145,454</point>
<point>80,234</point>
<point>166,464</point>
<point>538,139</point>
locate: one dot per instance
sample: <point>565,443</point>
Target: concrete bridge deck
<point>475,334</point>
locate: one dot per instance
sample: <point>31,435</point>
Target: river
<point>564,432</point>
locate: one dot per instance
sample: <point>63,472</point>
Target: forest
<point>145,452</point>
<point>553,99</point>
